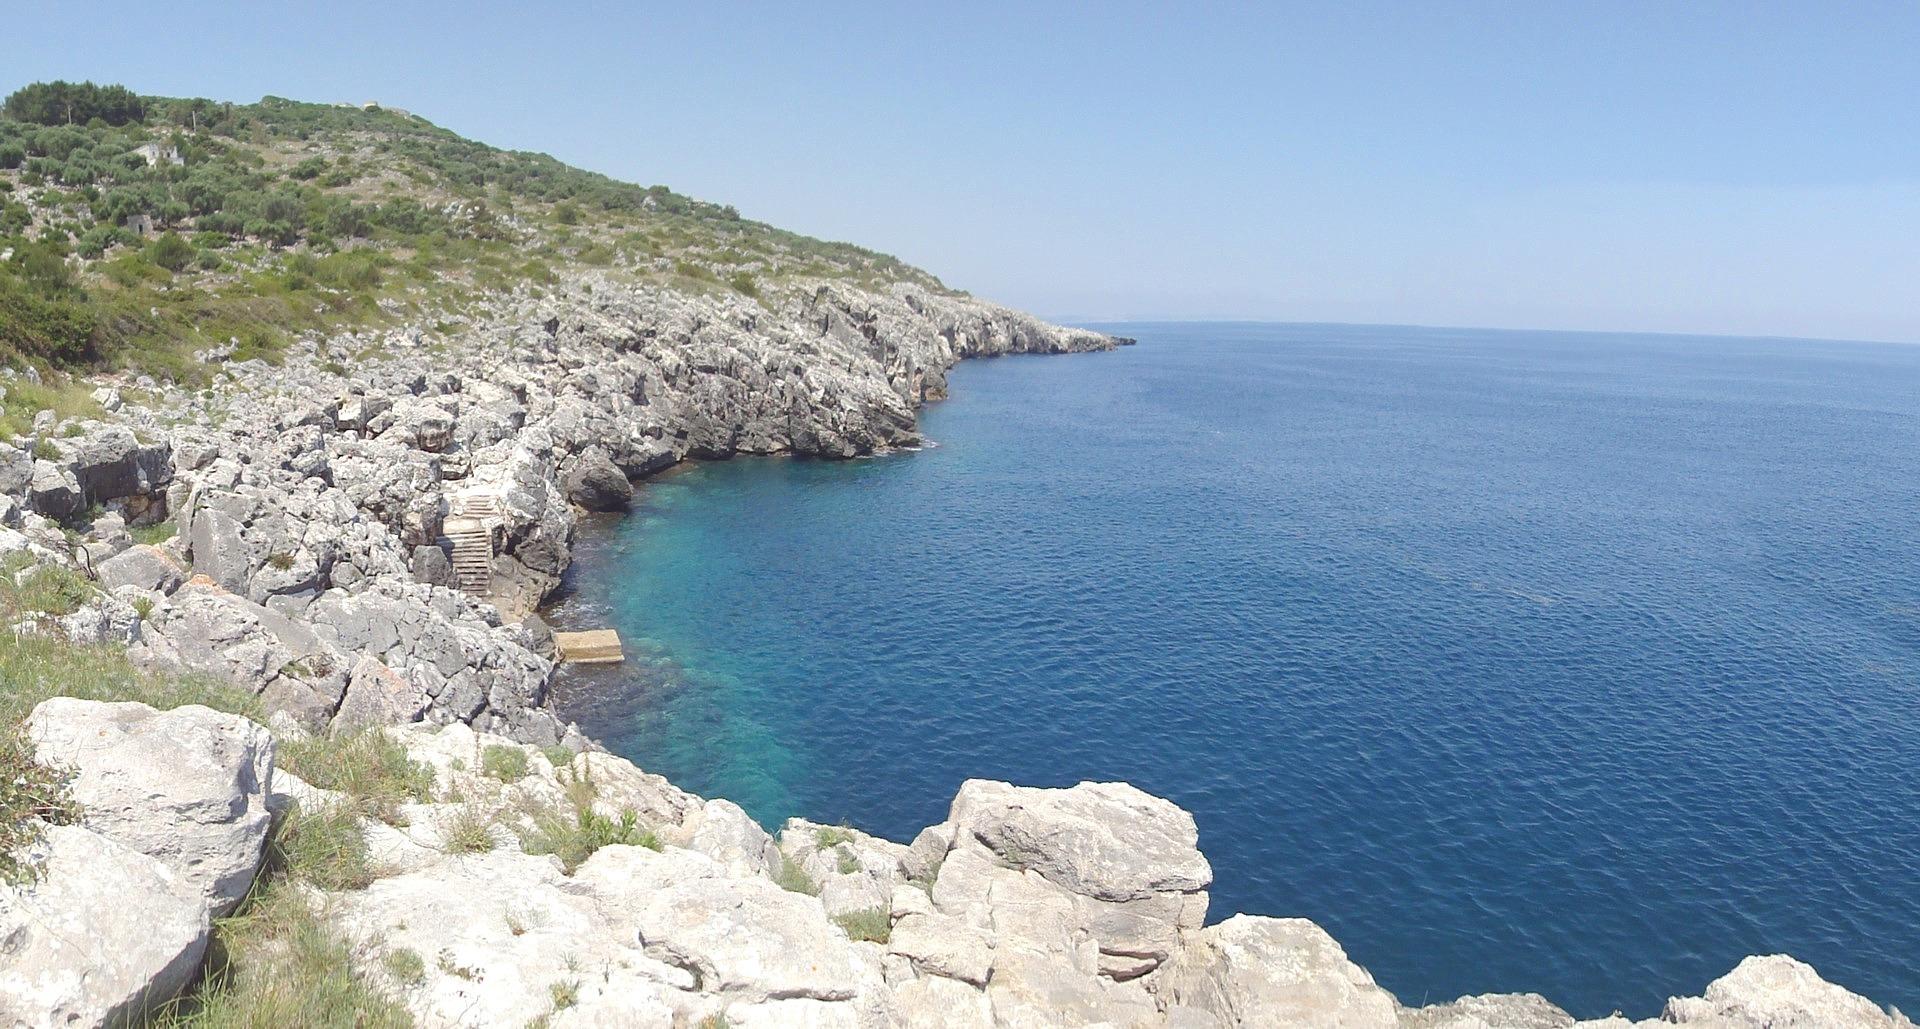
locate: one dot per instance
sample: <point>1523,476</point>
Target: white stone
<point>105,933</point>
<point>187,786</point>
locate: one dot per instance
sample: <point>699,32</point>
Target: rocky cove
<point>311,568</point>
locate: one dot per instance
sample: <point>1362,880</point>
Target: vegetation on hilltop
<point>137,230</point>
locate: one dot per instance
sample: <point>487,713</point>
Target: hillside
<point>138,230</point>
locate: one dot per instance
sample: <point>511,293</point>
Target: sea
<point>1584,664</point>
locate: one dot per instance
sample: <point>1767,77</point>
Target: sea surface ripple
<point>1569,663</point>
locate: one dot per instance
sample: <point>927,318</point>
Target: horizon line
<point>1083,322</point>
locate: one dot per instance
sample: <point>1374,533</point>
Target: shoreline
<point>311,568</point>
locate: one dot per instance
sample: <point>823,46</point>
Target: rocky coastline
<point>314,566</point>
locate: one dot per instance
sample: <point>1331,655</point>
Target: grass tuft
<point>794,878</point>
<point>868,925</point>
<point>155,534</point>
<point>573,836</point>
<point>369,767</point>
<point>505,763</point>
<point>327,848</point>
<point>831,836</point>
<point>405,965</point>
<point>50,590</point>
<point>467,830</point>
<point>32,796</point>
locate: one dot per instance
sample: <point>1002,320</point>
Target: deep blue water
<point>1583,664</point>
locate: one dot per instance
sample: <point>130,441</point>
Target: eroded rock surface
<point>187,787</point>
<point>1026,907</point>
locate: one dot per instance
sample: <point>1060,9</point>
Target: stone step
<point>594,647</point>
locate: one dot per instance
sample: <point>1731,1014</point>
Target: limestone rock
<point>145,567</point>
<point>1109,841</point>
<point>104,934</point>
<point>1777,992</point>
<point>186,786</point>
<point>723,832</point>
<point>595,483</point>
<point>112,463</point>
<point>376,695</point>
<point>1251,970</point>
<point>942,946</point>
<point>54,491</point>
<point>1489,1011</point>
<point>747,937</point>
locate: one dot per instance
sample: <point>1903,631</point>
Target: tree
<point>70,103</point>
<point>170,252</point>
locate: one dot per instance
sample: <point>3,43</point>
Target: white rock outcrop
<point>101,935</point>
<point>187,786</point>
<point>1025,907</point>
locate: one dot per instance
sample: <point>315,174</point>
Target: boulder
<point>219,547</point>
<point>187,786</point>
<point>202,628</point>
<point>111,463</point>
<point>53,491</point>
<point>595,483</point>
<point>16,470</point>
<point>1109,841</point>
<point>1778,992</point>
<point>724,833</point>
<point>1252,970</point>
<point>103,934</point>
<point>144,567</point>
<point>1489,1011</point>
<point>432,565</point>
<point>376,696</point>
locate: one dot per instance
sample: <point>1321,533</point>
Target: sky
<point>1742,168</point>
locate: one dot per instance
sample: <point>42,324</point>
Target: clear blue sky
<point>1689,166</point>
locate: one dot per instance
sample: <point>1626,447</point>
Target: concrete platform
<point>593,647</point>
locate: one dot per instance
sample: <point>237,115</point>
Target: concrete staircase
<point>469,527</point>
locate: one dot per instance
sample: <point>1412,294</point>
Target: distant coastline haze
<point>1701,168</point>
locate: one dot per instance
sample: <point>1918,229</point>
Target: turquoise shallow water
<point>1580,664</point>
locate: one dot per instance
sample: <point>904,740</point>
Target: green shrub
<point>171,252</point>
<point>573,836</point>
<point>31,797</point>
<point>794,878</point>
<point>327,848</point>
<point>69,103</point>
<point>370,768</point>
<point>311,168</point>
<point>505,763</point>
<point>155,534</point>
<point>869,925</point>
